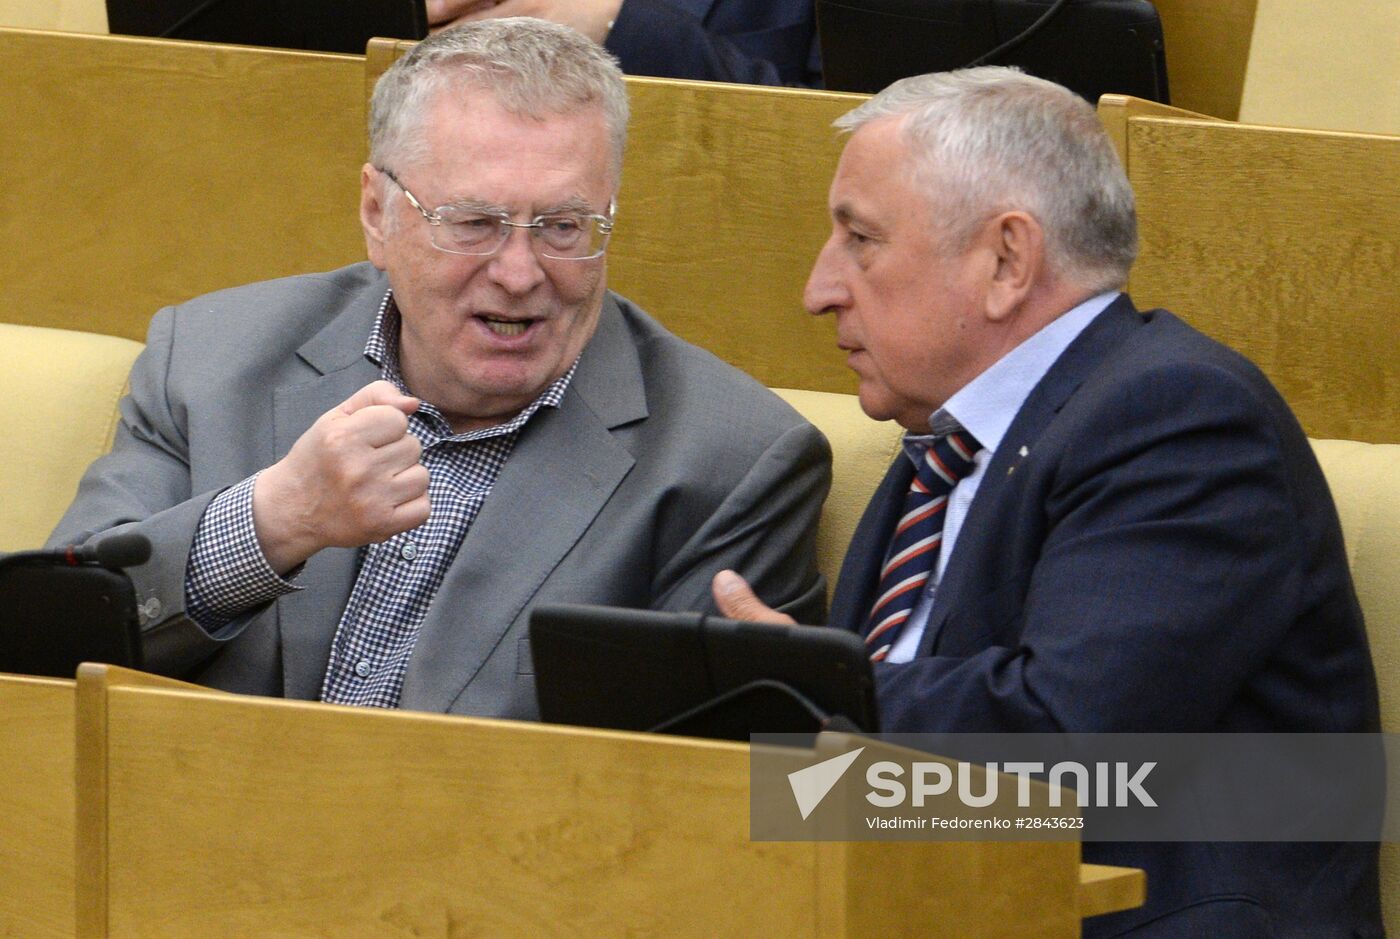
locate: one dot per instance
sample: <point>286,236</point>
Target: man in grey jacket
<point>358,483</point>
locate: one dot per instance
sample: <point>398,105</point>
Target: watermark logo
<point>811,785</point>
<point>1101,787</point>
<point>1113,784</point>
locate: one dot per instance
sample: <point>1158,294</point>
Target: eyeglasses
<point>564,236</point>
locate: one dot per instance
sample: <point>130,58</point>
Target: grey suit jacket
<point>661,466</point>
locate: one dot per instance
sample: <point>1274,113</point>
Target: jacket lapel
<point>979,531</point>
<point>308,618</point>
<point>696,8</point>
<point>563,470</point>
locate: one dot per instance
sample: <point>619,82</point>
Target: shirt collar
<point>986,406</point>
<point>382,349</point>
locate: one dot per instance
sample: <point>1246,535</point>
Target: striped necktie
<point>914,546</point>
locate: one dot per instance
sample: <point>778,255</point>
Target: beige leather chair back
<point>1333,65</point>
<point>1365,481</point>
<point>59,412</point>
<point>861,451</point>
<point>81,16</point>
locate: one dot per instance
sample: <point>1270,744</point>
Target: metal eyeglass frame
<point>605,225</point>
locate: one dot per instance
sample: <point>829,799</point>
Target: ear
<point>1018,242</point>
<point>373,214</point>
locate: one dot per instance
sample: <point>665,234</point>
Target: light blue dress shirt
<point>985,408</point>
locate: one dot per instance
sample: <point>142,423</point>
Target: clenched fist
<point>352,479</point>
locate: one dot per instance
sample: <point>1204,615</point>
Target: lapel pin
<point>1022,453</point>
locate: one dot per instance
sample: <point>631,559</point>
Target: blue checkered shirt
<point>398,578</point>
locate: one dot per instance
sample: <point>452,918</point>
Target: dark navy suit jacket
<point>1153,548</point>
<point>756,42</point>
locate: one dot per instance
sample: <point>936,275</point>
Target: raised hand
<point>352,479</point>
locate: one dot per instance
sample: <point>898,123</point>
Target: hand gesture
<point>352,479</point>
<point>736,600</point>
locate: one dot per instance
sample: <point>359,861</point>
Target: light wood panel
<point>1207,52</point>
<point>320,820</point>
<point>144,172</point>
<point>722,212</point>
<point>155,171</point>
<point>1104,889</point>
<point>1116,110</point>
<point>1282,244</point>
<point>36,808</point>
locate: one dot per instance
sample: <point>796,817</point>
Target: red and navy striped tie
<point>917,538</point>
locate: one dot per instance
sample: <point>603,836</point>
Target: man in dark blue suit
<point>755,42</point>
<point>1137,537</point>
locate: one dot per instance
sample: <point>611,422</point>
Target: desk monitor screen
<point>698,675</point>
<point>52,618</point>
<point>320,25</point>
<point>1092,47</point>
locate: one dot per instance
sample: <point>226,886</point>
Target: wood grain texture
<point>1116,110</point>
<point>36,808</point>
<point>1104,889</point>
<point>231,816</point>
<point>972,889</point>
<point>324,821</point>
<point>156,171</point>
<point>1208,51</point>
<point>145,172</point>
<point>722,212</point>
<point>1282,244</point>
<point>91,848</point>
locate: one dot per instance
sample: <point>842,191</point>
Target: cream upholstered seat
<point>861,451</point>
<point>59,414</point>
<point>1365,481</point>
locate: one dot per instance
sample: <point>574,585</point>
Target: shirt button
<point>409,551</point>
<point>363,668</point>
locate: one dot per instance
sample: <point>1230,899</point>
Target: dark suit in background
<point>1153,549</point>
<point>757,42</point>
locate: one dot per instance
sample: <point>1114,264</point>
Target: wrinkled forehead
<point>474,152</point>
<point>878,157</point>
<point>472,124</point>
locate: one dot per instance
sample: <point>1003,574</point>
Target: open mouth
<point>506,327</point>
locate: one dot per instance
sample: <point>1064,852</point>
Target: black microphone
<point>127,549</point>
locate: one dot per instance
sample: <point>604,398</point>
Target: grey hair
<point>531,67</point>
<point>993,139</point>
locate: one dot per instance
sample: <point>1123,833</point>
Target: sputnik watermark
<point>1102,787</point>
<point>1115,784</point>
<point>1118,785</point>
<point>811,785</point>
